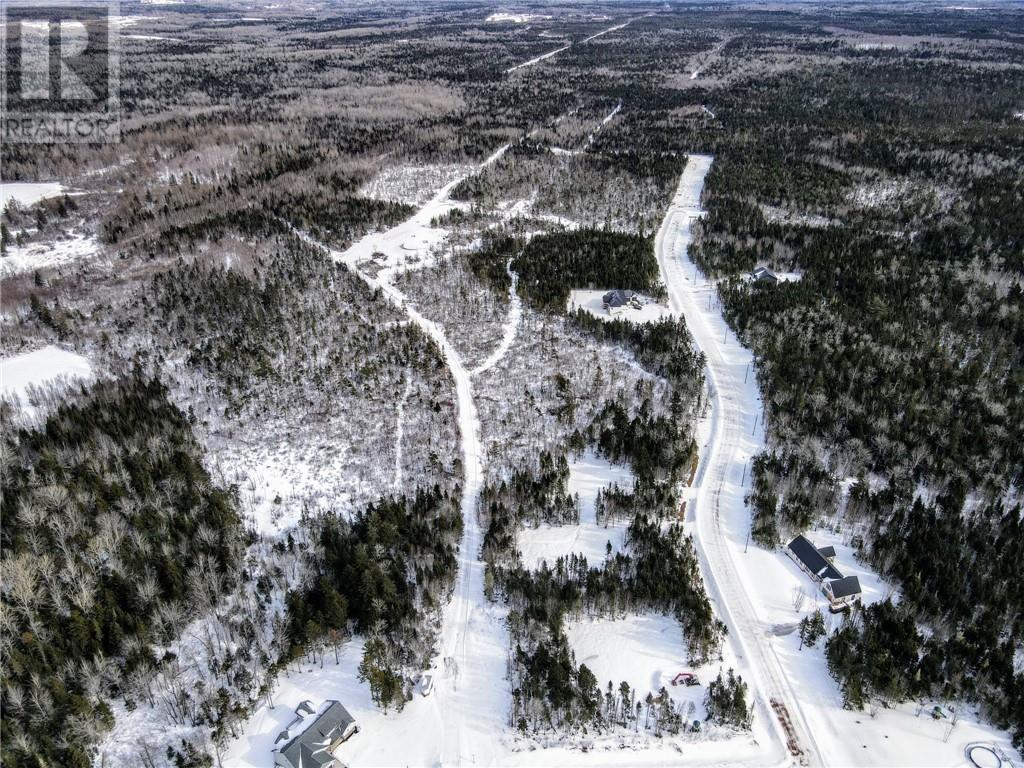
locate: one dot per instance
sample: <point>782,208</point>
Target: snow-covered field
<point>644,651</point>
<point>27,194</point>
<point>650,312</point>
<point>58,253</point>
<point>24,377</point>
<point>587,475</point>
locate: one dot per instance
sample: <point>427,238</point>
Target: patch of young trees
<point>383,574</point>
<point>726,700</point>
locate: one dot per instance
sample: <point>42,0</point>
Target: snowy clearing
<point>51,366</point>
<point>516,18</point>
<point>774,213</point>
<point>28,193</point>
<point>588,474</point>
<point>412,184</point>
<point>644,651</point>
<point>591,301</point>
<point>57,253</point>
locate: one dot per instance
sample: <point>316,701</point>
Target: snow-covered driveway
<point>718,513</point>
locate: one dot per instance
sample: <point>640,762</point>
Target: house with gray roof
<point>311,737</point>
<point>842,592</point>
<point>810,560</point>
<point>620,300</point>
<point>764,275</point>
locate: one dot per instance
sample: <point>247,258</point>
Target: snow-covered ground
<point>21,375</point>
<point>28,193</point>
<point>651,311</point>
<point>464,721</point>
<point>25,258</point>
<point>644,651</point>
<point>412,184</point>
<point>508,336</point>
<point>516,18</point>
<point>549,54</point>
<point>587,475</point>
<point>754,589</point>
<point>458,722</point>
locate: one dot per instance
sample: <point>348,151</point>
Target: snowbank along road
<point>736,434</point>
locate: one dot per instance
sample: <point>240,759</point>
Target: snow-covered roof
<point>310,749</point>
<point>763,273</point>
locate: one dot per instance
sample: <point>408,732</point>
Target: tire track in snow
<point>735,407</point>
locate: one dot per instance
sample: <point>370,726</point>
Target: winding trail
<point>736,434</point>
<point>515,314</point>
<point>472,642</point>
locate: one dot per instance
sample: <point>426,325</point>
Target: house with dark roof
<point>764,275</point>
<point>828,552</point>
<point>810,560</point>
<point>620,300</point>
<point>817,562</point>
<point>310,738</point>
<point>842,592</point>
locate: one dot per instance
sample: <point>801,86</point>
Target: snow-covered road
<point>549,54</point>
<point>736,434</point>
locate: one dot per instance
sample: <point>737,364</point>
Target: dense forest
<point>895,362</point>
<point>113,536</point>
<point>870,154</point>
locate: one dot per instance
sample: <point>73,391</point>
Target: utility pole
<point>746,372</point>
<point>746,542</point>
<point>756,417</point>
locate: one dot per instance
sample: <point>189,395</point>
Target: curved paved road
<point>735,436</point>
